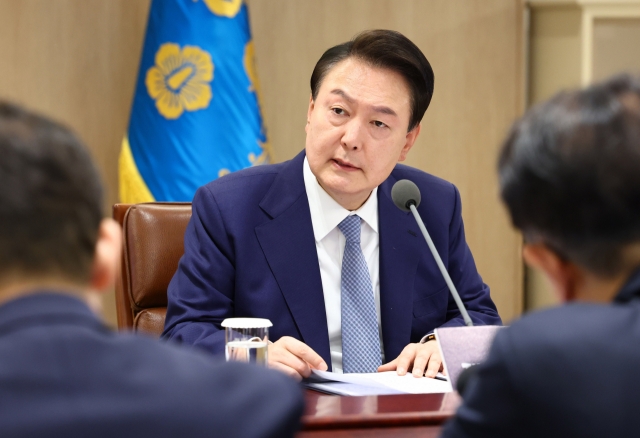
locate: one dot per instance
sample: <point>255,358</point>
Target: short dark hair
<point>570,173</point>
<point>384,49</point>
<point>50,199</point>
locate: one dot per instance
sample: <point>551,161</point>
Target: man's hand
<point>294,358</point>
<point>417,358</point>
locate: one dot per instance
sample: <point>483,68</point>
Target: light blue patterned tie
<point>360,339</point>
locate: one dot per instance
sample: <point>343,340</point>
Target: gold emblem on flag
<point>226,8</point>
<point>180,80</point>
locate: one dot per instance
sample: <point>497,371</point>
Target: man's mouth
<point>344,165</point>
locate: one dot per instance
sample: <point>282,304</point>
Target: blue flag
<point>196,112</point>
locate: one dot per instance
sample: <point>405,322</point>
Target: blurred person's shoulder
<point>574,336</point>
<point>574,321</point>
<point>205,391</point>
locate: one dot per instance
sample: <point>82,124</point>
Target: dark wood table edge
<point>377,421</point>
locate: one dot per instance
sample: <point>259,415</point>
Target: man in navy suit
<point>569,177</point>
<point>266,241</point>
<point>63,373</point>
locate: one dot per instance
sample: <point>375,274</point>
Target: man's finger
<point>389,366</point>
<point>296,355</point>
<point>406,359</point>
<point>291,361</point>
<point>306,353</point>
<point>280,354</point>
<point>421,360</point>
<point>434,365</point>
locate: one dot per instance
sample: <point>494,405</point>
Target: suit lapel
<point>399,257</point>
<point>289,247</point>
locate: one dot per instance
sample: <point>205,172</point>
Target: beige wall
<point>616,46</point>
<point>77,60</point>
<point>554,51</point>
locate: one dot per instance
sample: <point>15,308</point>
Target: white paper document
<point>388,382</point>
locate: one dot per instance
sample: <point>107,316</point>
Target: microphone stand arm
<point>443,270</point>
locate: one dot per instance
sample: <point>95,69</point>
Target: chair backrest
<point>153,244</point>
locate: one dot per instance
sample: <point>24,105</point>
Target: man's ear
<point>309,111</point>
<point>410,140</point>
<point>107,255</point>
<point>562,274</point>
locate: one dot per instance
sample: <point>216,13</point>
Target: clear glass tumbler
<point>247,339</point>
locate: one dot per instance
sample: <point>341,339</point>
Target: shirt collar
<point>326,213</point>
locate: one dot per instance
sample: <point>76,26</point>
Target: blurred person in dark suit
<point>570,178</point>
<point>63,373</point>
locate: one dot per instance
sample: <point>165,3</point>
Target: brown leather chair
<point>153,244</point>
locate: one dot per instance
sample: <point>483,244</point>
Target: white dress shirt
<point>326,214</point>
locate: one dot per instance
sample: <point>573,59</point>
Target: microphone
<point>406,196</point>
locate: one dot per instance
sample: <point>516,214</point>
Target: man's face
<point>357,130</point>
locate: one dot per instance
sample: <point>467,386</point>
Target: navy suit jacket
<point>571,371</point>
<point>250,252</point>
<point>64,374</point>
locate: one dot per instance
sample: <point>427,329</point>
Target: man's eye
<point>379,124</point>
<point>338,111</point>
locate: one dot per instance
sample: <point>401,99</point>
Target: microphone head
<point>404,193</point>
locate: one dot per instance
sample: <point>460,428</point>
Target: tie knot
<point>350,227</point>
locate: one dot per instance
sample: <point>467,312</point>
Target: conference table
<point>402,416</point>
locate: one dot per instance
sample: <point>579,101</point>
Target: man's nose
<point>353,135</point>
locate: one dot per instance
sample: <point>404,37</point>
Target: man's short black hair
<point>50,199</point>
<point>570,173</point>
<point>386,49</point>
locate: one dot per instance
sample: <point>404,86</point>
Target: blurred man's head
<point>51,227</point>
<point>368,97</point>
<point>570,177</point>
